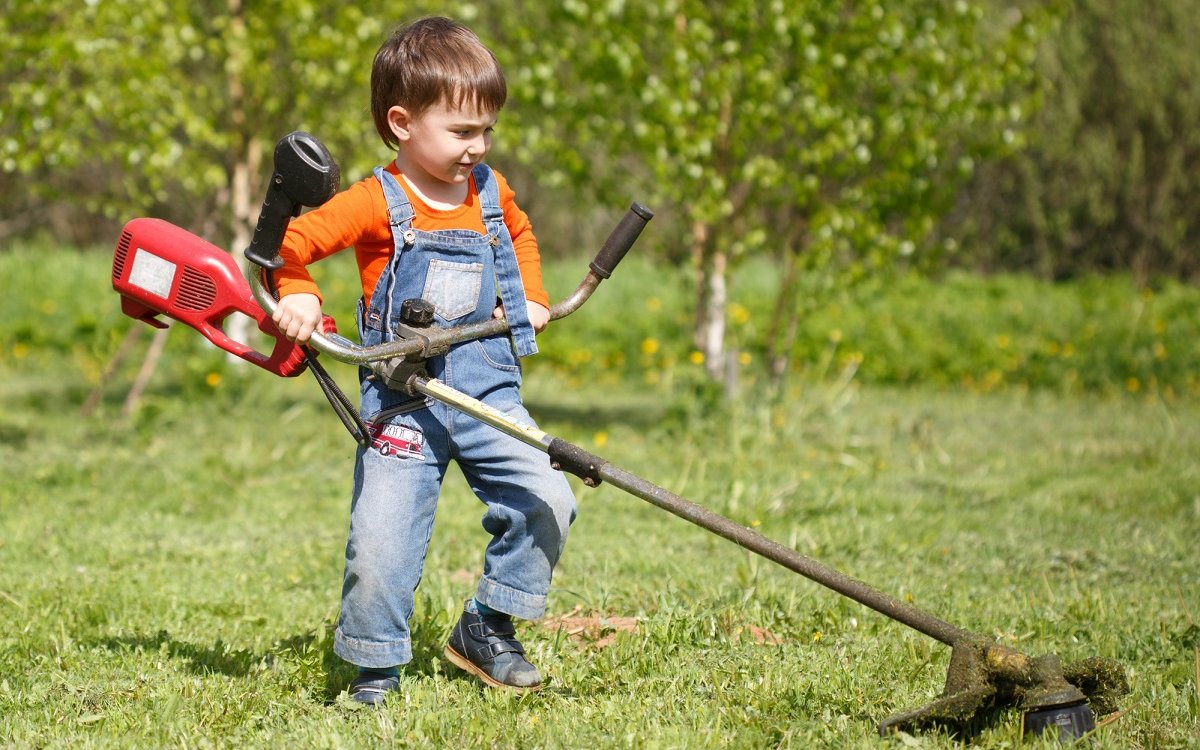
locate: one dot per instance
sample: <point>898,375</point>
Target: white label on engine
<point>152,273</point>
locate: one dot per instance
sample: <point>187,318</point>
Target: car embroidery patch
<point>396,440</point>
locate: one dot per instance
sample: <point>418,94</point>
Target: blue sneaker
<point>486,646</point>
<point>372,688</point>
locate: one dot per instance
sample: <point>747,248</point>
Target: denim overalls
<point>397,480</point>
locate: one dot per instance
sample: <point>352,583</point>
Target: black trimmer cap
<point>1070,721</point>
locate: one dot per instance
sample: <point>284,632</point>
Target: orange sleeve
<point>351,217</point>
<point>529,259</point>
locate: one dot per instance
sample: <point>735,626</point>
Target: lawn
<point>172,578</point>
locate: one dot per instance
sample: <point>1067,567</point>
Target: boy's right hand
<point>298,315</point>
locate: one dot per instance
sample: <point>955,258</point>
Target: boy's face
<point>443,143</point>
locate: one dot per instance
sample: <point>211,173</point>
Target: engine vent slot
<point>196,291</point>
<point>121,255</point>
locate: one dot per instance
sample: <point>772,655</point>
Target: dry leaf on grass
<point>763,636</point>
<point>598,631</point>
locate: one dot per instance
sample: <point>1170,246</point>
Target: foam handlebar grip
<point>277,211</point>
<point>621,239</point>
<point>305,174</point>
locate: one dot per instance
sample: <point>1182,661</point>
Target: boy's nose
<point>478,145</point>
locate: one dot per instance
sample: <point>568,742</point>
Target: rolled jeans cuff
<point>371,653</point>
<point>510,601</point>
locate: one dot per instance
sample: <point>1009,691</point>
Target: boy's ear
<point>399,121</point>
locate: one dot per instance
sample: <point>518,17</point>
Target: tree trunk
<point>718,302</point>
<point>712,299</point>
<point>245,159</point>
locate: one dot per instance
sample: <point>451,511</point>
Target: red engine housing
<point>161,269</point>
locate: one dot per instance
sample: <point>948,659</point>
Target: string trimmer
<point>161,269</point>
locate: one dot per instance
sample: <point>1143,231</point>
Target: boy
<point>439,224</point>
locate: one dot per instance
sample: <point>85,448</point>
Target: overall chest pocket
<point>453,288</point>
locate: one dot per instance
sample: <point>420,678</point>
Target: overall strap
<point>508,272</point>
<point>400,210</point>
<point>400,216</point>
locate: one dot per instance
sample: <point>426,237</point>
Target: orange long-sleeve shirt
<point>358,217</point>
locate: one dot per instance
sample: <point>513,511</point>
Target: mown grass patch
<point>172,578</point>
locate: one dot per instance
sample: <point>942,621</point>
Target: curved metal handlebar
<point>432,341</point>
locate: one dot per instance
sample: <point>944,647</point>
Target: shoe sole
<point>465,664</point>
<point>369,697</point>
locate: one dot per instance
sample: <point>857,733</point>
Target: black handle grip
<point>621,239</point>
<point>305,174</point>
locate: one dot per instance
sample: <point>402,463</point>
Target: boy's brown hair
<point>430,61</point>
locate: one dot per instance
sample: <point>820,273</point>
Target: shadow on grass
<point>219,658</point>
<point>307,658</point>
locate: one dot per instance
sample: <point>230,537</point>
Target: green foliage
<point>1099,334</point>
<point>854,121</point>
<point>124,108</point>
<point>1108,180</point>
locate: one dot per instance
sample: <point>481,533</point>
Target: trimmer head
<point>986,677</point>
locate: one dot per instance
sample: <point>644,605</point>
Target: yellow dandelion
<point>20,350</point>
<point>1133,385</point>
<point>739,314</point>
<point>755,523</point>
<point>653,304</point>
<point>744,359</point>
<point>817,636</point>
<point>1002,341</point>
<point>696,358</point>
<point>213,379</point>
<point>649,346</point>
<point>600,439</point>
<point>835,335</point>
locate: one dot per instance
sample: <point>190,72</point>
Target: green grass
<point>172,579</point>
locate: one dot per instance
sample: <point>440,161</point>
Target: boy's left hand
<point>539,315</point>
